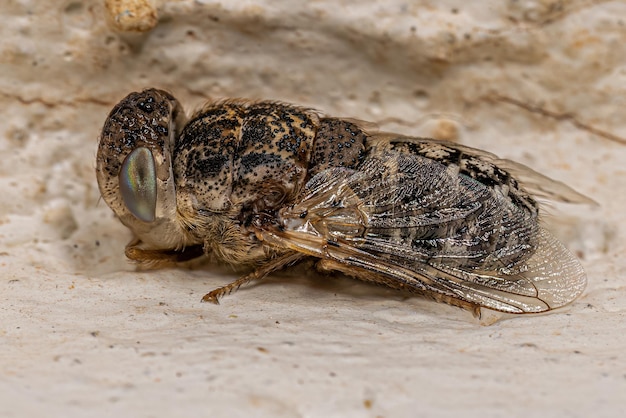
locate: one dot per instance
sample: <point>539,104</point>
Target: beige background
<point>81,331</point>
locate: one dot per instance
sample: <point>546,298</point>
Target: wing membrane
<point>411,223</point>
<point>532,181</point>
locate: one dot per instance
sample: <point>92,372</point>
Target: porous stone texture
<point>542,82</point>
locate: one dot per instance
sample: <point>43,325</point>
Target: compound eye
<point>138,184</point>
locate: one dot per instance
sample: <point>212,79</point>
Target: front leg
<point>161,258</point>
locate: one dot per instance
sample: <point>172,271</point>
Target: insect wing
<point>542,186</point>
<point>532,181</point>
<point>397,222</point>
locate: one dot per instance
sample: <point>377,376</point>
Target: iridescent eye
<point>138,184</point>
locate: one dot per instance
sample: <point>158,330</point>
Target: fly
<point>268,185</point>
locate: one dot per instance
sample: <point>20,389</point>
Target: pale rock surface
<point>82,333</point>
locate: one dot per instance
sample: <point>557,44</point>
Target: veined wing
<point>474,159</point>
<point>409,222</point>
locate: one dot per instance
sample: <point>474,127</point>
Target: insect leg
<point>258,274</point>
<point>371,277</point>
<point>356,263</point>
<point>161,258</point>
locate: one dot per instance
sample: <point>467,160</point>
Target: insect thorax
<point>258,156</point>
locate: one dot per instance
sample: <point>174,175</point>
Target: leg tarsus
<point>258,274</point>
<point>209,297</point>
<point>214,295</point>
